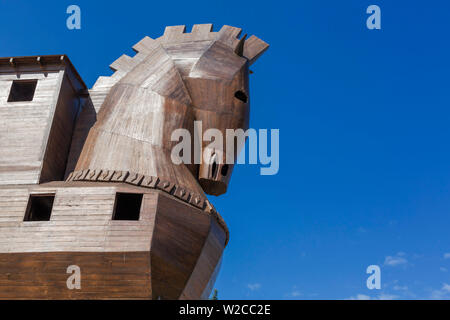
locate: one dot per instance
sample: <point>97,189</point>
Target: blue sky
<point>364,135</point>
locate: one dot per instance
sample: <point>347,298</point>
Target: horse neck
<point>133,134</point>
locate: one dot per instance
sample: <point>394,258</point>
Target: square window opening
<point>39,207</point>
<point>22,90</point>
<point>127,206</point>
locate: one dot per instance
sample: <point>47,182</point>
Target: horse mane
<point>183,48</point>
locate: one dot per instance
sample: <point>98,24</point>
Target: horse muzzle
<point>214,174</point>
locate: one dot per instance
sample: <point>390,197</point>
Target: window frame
<point>116,201</point>
<point>28,212</point>
<point>33,81</point>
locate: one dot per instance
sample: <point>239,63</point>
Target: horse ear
<point>254,48</point>
<point>239,50</point>
<point>218,61</point>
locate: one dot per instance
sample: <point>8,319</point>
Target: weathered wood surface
<point>84,123</point>
<point>107,275</point>
<point>172,81</point>
<point>23,127</point>
<point>169,253</point>
<point>35,136</point>
<point>60,132</point>
<point>81,220</point>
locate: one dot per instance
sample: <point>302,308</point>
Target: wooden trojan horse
<point>98,192</point>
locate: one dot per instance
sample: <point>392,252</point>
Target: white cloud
<point>443,269</point>
<point>441,294</point>
<point>447,255</point>
<point>360,297</point>
<point>436,295</point>
<point>387,297</point>
<point>254,286</point>
<point>396,260</point>
<point>296,293</point>
<point>381,296</point>
<point>400,288</point>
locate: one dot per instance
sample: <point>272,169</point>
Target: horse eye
<point>224,170</point>
<point>241,96</point>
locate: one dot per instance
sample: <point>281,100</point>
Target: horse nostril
<point>224,170</point>
<point>241,96</point>
<point>214,169</point>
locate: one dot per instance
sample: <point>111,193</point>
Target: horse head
<point>173,82</point>
<point>218,84</point>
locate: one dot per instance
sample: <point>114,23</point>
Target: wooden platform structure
<point>86,176</point>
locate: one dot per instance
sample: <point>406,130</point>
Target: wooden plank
<point>81,217</point>
<point>103,276</point>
